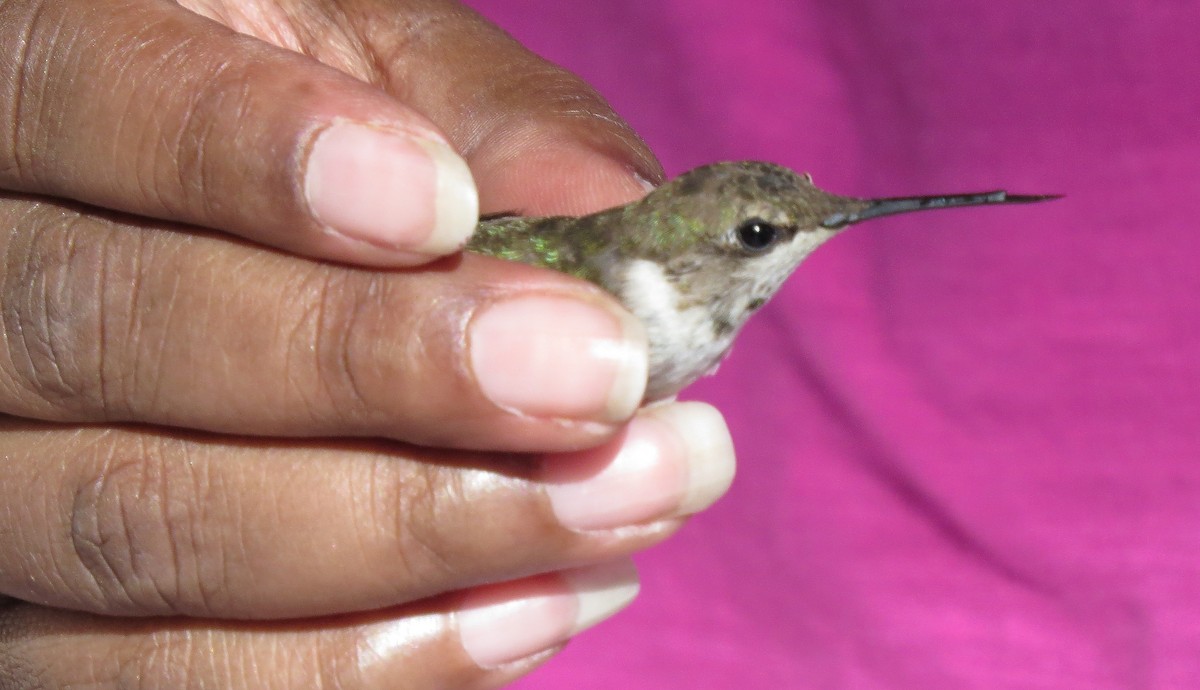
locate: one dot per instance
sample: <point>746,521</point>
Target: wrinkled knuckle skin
<point>27,28</point>
<point>453,525</point>
<point>199,162</point>
<point>342,325</point>
<point>379,355</point>
<point>81,324</point>
<point>52,313</point>
<point>414,506</point>
<point>135,530</point>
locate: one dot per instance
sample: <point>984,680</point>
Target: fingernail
<point>559,357</point>
<point>504,623</point>
<point>646,185</point>
<point>390,189</point>
<point>672,460</point>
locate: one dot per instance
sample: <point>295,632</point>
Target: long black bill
<point>875,208</point>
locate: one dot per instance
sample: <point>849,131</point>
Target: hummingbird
<point>694,258</point>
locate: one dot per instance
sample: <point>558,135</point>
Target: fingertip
<point>456,202</point>
<point>506,623</point>
<point>708,445</point>
<point>399,197</point>
<point>559,357</point>
<point>672,461</point>
<point>547,172</point>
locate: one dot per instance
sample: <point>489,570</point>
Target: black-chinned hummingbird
<point>697,256</point>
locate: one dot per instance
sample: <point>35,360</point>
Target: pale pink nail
<point>559,357</point>
<point>673,460</point>
<point>508,622</point>
<point>390,189</point>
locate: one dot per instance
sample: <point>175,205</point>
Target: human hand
<point>117,326</point>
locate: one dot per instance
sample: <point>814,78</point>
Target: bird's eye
<point>757,235</point>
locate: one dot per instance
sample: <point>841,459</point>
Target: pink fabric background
<point>969,441</point>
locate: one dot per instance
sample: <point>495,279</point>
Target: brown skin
<point>147,109</point>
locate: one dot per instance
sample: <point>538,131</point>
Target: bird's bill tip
<point>1031,198</point>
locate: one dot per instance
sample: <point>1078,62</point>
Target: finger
<point>103,321</point>
<point>540,140</point>
<point>137,522</point>
<point>145,107</point>
<point>485,639</point>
